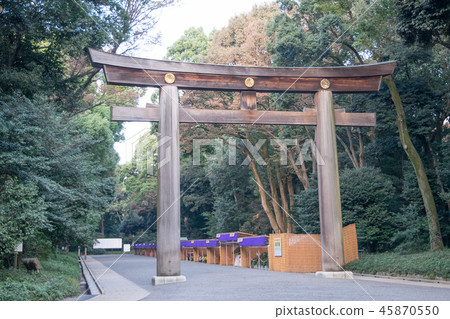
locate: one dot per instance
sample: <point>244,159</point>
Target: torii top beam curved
<point>125,70</point>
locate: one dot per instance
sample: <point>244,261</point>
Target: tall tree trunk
<point>291,191</point>
<point>264,201</point>
<point>236,200</point>
<point>262,191</point>
<point>361,148</point>
<point>279,214</point>
<point>305,180</point>
<point>422,179</point>
<point>347,150</point>
<point>290,187</point>
<point>352,147</point>
<point>284,199</point>
<point>300,172</point>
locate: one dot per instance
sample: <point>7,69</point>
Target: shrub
<point>58,279</point>
<point>368,201</point>
<point>412,235</point>
<point>426,264</point>
<point>38,246</point>
<point>13,290</point>
<point>307,211</point>
<point>367,198</point>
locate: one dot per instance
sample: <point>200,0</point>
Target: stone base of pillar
<point>335,274</point>
<point>163,280</point>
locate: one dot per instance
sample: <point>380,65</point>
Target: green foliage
<point>57,161</point>
<point>37,37</point>
<point>410,191</point>
<point>367,199</point>
<point>197,201</point>
<point>42,43</point>
<point>412,235</point>
<point>50,155</point>
<point>431,265</point>
<point>307,211</point>
<point>131,224</point>
<point>424,22</point>
<point>235,206</point>
<point>287,48</point>
<point>134,208</point>
<point>190,47</point>
<point>58,279</point>
<point>97,127</point>
<point>39,245</point>
<point>22,214</point>
<point>307,32</point>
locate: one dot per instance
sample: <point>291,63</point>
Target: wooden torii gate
<point>170,76</point>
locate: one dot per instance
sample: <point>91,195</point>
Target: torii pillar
<point>168,216</point>
<point>329,188</point>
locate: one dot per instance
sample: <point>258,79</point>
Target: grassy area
<point>58,279</point>
<point>430,265</point>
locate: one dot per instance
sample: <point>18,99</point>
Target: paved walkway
<point>129,278</point>
<point>115,286</point>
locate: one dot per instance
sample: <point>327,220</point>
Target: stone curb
<point>413,279</point>
<point>94,286</point>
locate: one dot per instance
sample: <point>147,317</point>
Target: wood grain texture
<point>194,81</point>
<point>186,115</point>
<point>100,59</point>
<point>248,100</point>
<point>328,184</point>
<point>168,223</point>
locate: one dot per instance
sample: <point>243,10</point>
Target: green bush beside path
<point>431,265</point>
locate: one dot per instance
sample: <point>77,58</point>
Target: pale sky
<point>173,21</point>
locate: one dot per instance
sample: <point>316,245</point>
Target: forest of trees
<point>60,182</point>
<point>57,161</point>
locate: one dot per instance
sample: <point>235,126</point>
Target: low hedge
<point>430,265</point>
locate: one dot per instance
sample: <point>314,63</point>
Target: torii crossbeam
<point>171,76</point>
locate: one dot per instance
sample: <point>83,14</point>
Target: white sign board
<point>277,247</point>
<point>108,243</point>
<point>126,248</point>
<point>19,248</point>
